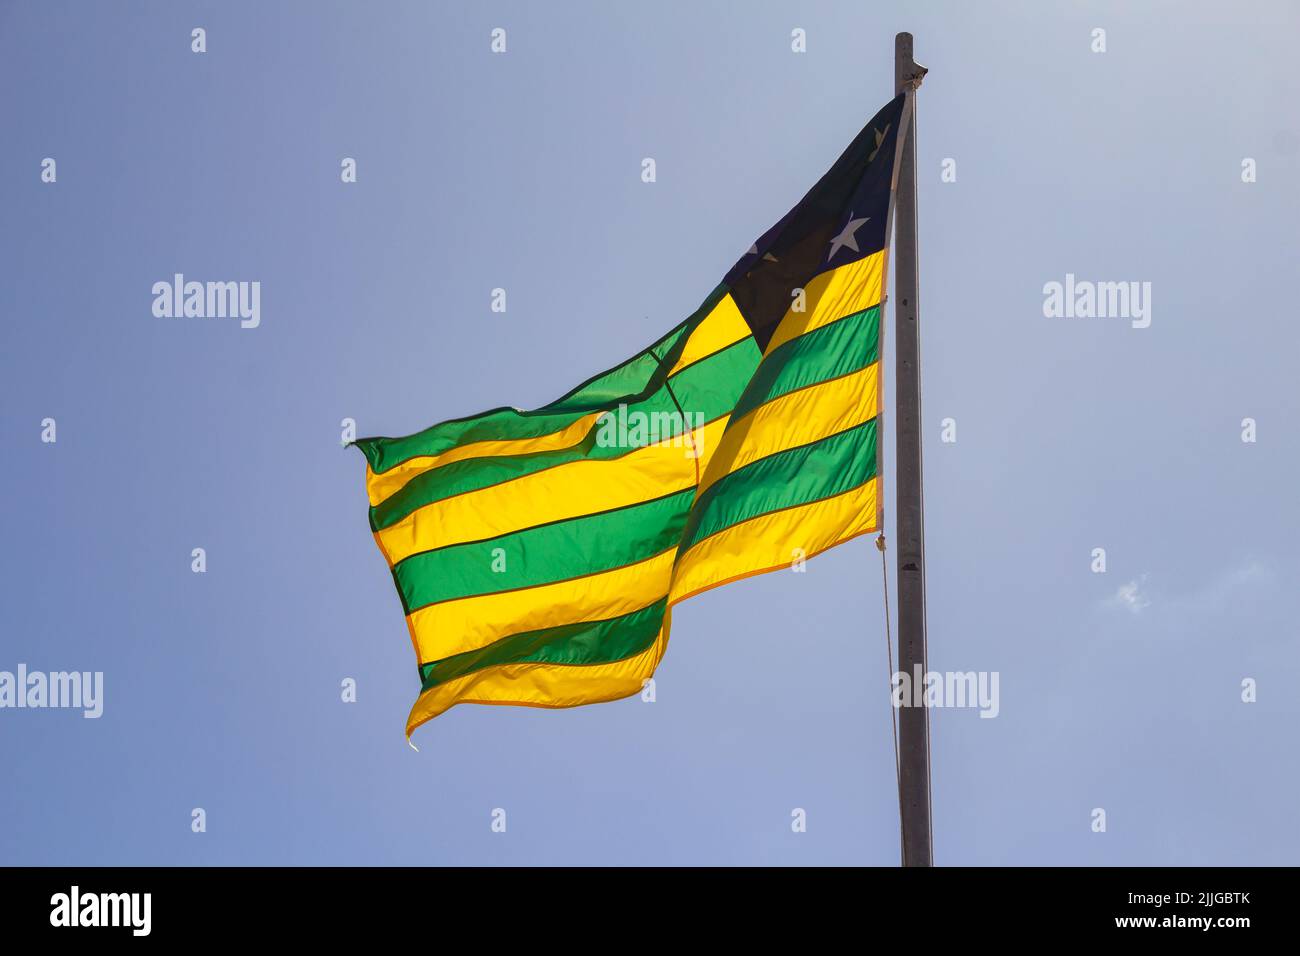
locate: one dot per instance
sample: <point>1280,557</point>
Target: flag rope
<point>893,711</point>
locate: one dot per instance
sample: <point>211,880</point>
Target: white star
<point>847,237</point>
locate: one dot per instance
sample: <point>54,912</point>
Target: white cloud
<point>1228,589</point>
<point>1131,596</point>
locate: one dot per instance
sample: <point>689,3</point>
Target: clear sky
<point>521,170</point>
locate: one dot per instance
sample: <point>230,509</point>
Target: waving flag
<point>538,553</point>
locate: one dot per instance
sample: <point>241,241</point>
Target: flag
<point>537,554</point>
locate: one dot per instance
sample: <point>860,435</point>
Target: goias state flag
<point>537,554</point>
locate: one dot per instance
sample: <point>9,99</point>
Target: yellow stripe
<point>774,540</point>
<point>722,327</point>
<point>833,295</point>
<point>466,624</point>
<point>761,544</point>
<point>798,418</point>
<point>384,485</point>
<point>543,685</point>
<point>570,490</point>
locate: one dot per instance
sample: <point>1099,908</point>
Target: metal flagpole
<point>913,721</point>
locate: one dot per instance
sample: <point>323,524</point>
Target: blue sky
<point>1119,690</point>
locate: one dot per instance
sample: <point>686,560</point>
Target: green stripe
<point>797,476</point>
<point>708,387</point>
<point>559,551</point>
<point>499,424</point>
<point>630,381</point>
<point>591,642</point>
<point>609,388</point>
<point>631,378</point>
<point>843,346</point>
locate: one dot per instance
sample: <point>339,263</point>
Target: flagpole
<point>913,721</point>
